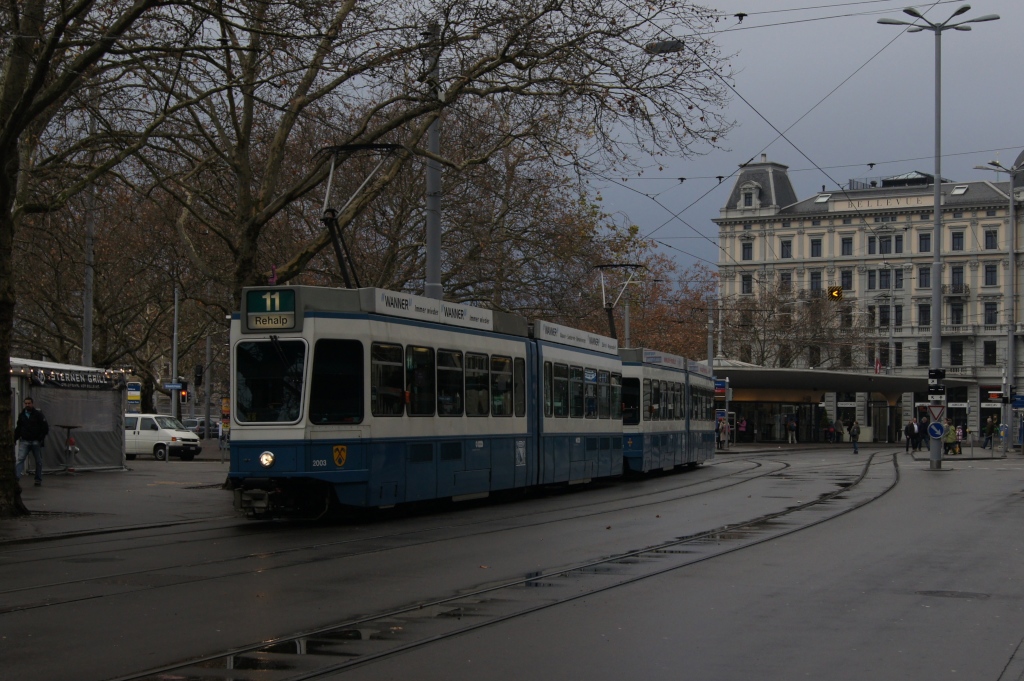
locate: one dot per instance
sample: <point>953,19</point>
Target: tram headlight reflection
<point>267,459</point>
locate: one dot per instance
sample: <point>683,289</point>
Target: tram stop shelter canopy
<point>752,383</point>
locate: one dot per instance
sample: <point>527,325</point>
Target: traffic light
<point>198,376</point>
<point>183,393</point>
<point>835,292</point>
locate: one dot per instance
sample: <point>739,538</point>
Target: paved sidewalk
<point>149,493</point>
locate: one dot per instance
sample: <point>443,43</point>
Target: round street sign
<point>936,430</point>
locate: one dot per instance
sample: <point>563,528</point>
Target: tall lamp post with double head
<point>1011,304</point>
<point>935,455</point>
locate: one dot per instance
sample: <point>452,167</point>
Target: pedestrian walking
<point>910,430</point>
<point>989,432</point>
<point>948,438</point>
<point>30,432</point>
<point>855,436</point>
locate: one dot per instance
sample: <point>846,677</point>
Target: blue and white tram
<point>370,398</point>
<point>373,398</point>
<point>581,417</point>
<point>668,419</point>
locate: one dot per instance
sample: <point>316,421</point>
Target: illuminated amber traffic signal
<point>835,292</point>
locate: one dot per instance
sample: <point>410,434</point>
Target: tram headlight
<point>267,459</point>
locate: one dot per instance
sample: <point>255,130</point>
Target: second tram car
<point>370,398</point>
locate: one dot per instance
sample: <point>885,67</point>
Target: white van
<point>158,435</point>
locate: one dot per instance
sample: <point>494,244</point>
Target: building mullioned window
<point>924,314</point>
<point>991,314</point>
<point>956,353</point>
<point>991,275</point>
<point>923,354</point>
<point>989,353</point>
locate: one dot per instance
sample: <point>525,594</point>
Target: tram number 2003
<point>319,463</point>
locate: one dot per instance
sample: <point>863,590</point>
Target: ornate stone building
<point>874,240</point>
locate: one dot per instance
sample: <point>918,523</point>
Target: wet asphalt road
<point>921,583</point>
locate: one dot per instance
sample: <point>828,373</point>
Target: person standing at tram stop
<point>854,431</point>
<point>989,431</point>
<point>741,430</point>
<point>791,428</point>
<point>30,431</point>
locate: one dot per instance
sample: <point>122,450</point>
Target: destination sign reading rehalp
<point>270,309</point>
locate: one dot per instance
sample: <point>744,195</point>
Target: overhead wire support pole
<point>1009,380</point>
<point>935,454</point>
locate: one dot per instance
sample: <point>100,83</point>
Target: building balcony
<point>956,290</point>
<point>959,329</point>
<point>960,372</point>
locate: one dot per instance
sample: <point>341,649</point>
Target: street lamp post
<point>1011,314</point>
<point>935,455</point>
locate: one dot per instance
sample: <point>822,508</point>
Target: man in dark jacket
<point>911,432</point>
<point>31,430</point>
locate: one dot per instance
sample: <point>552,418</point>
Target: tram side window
<point>268,380</point>
<point>387,380</point>
<point>419,380</point>
<point>631,401</point>
<point>560,390</point>
<point>576,392</point>
<point>336,388</point>
<point>666,402</point>
<point>449,383</point>
<point>501,386</point>
<point>549,395</point>
<point>616,396</point>
<point>477,385</point>
<point>648,404</point>
<point>590,393</point>
<point>678,402</point>
<point>519,382</point>
<point>603,405</point>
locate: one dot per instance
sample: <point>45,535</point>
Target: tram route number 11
<point>270,309</point>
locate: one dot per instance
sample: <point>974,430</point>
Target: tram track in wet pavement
<point>330,650</point>
<point>98,551</point>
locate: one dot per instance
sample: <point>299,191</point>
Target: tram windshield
<point>268,380</point>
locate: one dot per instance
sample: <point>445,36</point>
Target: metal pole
<point>174,360</point>
<point>626,314</point>
<point>209,385</point>
<point>90,260</point>
<point>432,283</point>
<point>935,455</point>
<point>1011,335</point>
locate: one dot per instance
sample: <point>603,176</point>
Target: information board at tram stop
<point>936,430</point>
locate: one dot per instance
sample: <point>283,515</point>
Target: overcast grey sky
<point>787,61</point>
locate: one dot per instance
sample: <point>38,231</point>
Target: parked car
<point>197,426</point>
<point>159,435</point>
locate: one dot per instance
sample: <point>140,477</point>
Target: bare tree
<point>49,51</point>
<point>779,327</point>
<point>572,79</point>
